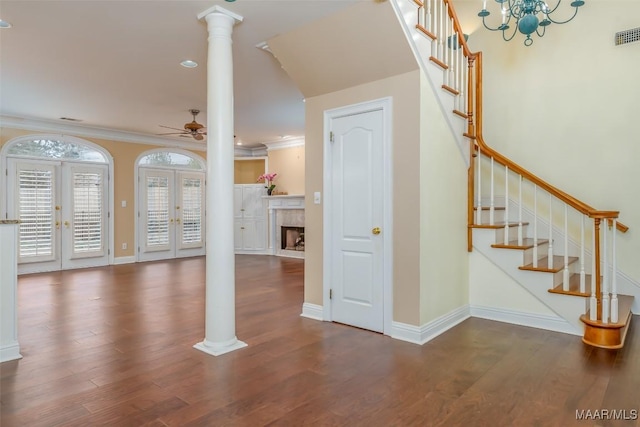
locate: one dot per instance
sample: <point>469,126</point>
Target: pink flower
<point>268,177</point>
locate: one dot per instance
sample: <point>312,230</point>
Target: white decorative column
<point>220,304</point>
<point>9,346</point>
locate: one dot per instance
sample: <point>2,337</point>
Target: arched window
<point>170,159</point>
<point>51,148</point>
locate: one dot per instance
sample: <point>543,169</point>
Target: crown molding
<point>250,151</point>
<point>96,132</point>
<point>281,145</point>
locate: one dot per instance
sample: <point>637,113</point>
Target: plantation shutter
<point>88,213</point>
<point>157,211</point>
<point>192,209</point>
<point>36,213</point>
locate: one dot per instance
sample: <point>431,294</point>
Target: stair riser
<point>498,216</point>
<point>528,253</point>
<point>513,233</point>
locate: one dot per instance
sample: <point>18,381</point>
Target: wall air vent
<point>628,36</point>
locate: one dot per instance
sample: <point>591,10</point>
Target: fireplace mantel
<point>295,201</point>
<point>281,204</point>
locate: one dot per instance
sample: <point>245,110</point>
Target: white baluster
<point>492,205</point>
<point>520,210</point>
<point>446,53</point>
<point>434,28</point>
<point>614,282</point>
<point>565,273</point>
<point>427,14</point>
<point>440,31</point>
<point>605,276</point>
<point>535,226</point>
<point>456,72</point>
<point>463,83</point>
<point>452,54</point>
<point>506,205</point>
<point>550,251</point>
<point>593,301</point>
<point>583,284</point>
<point>479,205</point>
<point>445,41</point>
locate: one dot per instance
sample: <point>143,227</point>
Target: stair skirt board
<point>532,320</point>
<point>537,284</point>
<point>407,14</point>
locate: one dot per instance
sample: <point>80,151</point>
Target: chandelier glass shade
<point>525,16</point>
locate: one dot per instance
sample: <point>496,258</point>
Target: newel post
<point>596,260</point>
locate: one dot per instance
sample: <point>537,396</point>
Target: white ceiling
<point>115,64</point>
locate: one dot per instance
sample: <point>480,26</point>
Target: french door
<point>171,216</point>
<point>63,211</point>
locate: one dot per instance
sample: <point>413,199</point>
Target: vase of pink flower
<point>268,180</point>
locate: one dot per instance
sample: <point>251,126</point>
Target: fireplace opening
<point>292,238</point>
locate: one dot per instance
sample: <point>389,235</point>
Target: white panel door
<point>63,212</point>
<point>171,217</point>
<point>357,240</point>
<point>190,208</point>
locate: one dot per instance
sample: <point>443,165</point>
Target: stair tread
<point>498,224</point>
<point>558,264</point>
<point>574,286</point>
<point>527,243</point>
<point>624,313</point>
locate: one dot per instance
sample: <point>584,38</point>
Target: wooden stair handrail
<point>485,149</point>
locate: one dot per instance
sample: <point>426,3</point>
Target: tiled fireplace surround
<point>284,211</point>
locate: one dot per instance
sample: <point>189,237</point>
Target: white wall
<point>443,205</point>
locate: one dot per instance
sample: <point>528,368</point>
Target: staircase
<point>557,247</point>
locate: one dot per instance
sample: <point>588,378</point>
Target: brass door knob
<point>376,231</point>
<point>66,224</point>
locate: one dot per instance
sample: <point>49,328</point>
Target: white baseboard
<point>312,311</point>
<point>10,352</point>
<point>540,321</point>
<point>124,260</point>
<point>428,331</point>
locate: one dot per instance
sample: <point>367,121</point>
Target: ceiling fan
<point>191,129</point>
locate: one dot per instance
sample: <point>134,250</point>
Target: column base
<point>217,349</point>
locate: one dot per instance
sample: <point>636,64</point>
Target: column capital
<point>221,10</point>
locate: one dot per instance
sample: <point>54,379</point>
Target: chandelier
<point>531,16</point>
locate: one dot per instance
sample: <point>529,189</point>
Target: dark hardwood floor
<point>113,346</point>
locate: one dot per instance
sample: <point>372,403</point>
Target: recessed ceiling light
<point>4,24</point>
<point>239,143</point>
<point>189,63</point>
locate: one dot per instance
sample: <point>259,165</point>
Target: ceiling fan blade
<point>198,137</point>
<point>172,133</point>
<point>169,127</point>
